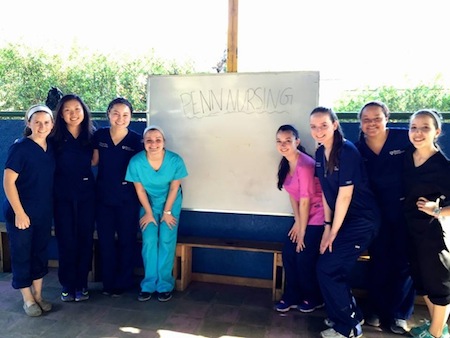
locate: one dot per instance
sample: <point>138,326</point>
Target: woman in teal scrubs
<point>156,173</point>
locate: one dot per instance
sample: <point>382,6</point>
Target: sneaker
<point>307,307</point>
<point>415,331</point>
<point>400,326</point>
<point>282,306</point>
<point>82,295</point>
<point>373,320</point>
<point>113,293</point>
<point>332,333</point>
<point>144,296</point>
<point>116,293</point>
<point>67,297</point>
<point>164,296</point>
<point>44,305</point>
<point>328,322</point>
<point>32,310</point>
<point>424,334</point>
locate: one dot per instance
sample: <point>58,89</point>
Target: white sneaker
<point>328,322</point>
<point>332,333</point>
<point>400,326</point>
<point>373,320</point>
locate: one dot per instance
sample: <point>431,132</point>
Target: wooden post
<point>232,48</point>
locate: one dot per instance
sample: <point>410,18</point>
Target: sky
<point>352,43</point>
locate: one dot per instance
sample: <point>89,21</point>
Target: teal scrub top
<point>157,182</point>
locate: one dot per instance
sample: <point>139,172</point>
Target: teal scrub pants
<point>158,254</point>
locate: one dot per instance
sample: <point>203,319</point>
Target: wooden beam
<point>232,47</point>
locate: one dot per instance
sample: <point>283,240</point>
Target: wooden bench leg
<point>278,280</point>
<point>183,266</point>
<point>5,254</point>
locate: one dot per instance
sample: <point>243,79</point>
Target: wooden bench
<point>5,254</point>
<point>183,261</point>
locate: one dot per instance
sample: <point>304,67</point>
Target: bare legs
<point>439,316</point>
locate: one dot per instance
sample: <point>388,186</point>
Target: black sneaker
<point>117,293</point>
<point>113,293</point>
<point>144,296</point>
<point>164,296</point>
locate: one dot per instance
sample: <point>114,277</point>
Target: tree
<point>433,96</point>
<point>26,76</point>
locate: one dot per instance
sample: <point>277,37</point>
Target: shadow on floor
<point>203,310</point>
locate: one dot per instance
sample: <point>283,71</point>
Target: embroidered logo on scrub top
<point>103,144</point>
<point>349,182</point>
<point>396,152</point>
<point>127,148</point>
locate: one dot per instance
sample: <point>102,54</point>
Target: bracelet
<point>327,222</point>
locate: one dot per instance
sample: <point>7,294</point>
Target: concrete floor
<point>202,310</point>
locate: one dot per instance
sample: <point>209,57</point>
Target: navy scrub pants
<point>300,268</point>
<point>74,228</point>
<point>29,258</point>
<point>391,290</point>
<point>333,271</point>
<point>118,257</point>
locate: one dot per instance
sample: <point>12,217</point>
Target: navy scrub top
<point>430,180</point>
<point>112,189</point>
<point>74,178</point>
<point>385,170</point>
<point>36,168</point>
<point>351,171</point>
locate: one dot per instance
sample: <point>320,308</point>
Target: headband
<point>153,127</point>
<point>39,108</point>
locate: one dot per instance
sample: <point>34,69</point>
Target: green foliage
<point>433,96</point>
<point>27,74</point>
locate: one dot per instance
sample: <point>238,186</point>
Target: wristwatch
<point>167,212</point>
<point>437,212</point>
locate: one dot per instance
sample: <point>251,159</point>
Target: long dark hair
<point>379,104</point>
<point>338,137</point>
<point>283,167</point>
<point>86,126</point>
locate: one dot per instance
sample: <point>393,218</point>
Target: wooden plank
<point>232,47</point>
<point>231,244</point>
<point>233,280</point>
<point>5,253</point>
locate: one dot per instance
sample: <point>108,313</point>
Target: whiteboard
<point>224,127</point>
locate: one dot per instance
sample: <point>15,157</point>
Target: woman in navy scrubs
<point>391,290</point>
<point>351,220</point>
<point>427,212</point>
<point>28,186</point>
<point>117,202</point>
<point>74,213</point>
